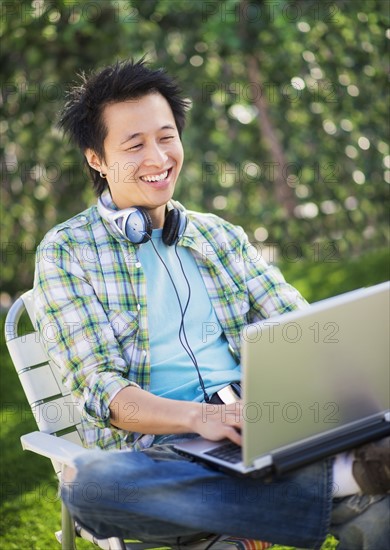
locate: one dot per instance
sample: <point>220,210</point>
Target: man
<point>130,288</point>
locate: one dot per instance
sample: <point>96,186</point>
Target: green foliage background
<point>287,136</point>
<point>316,175</point>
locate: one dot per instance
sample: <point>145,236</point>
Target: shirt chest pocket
<point>124,325</point>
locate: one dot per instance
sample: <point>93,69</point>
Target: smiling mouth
<point>156,177</point>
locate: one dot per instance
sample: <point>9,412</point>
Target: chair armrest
<point>53,447</point>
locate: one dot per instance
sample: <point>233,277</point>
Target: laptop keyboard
<point>230,452</point>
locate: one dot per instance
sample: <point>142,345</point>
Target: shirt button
<point>138,307</point>
<point>138,265</point>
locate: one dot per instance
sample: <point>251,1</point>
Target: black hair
<point>81,117</point>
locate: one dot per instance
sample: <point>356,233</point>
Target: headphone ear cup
<point>174,226</point>
<point>139,226</point>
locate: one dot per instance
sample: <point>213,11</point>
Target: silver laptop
<point>315,382</point>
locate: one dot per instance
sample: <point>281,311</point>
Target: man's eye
<point>134,147</point>
<point>167,138</point>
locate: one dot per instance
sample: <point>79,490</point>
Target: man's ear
<point>93,159</point>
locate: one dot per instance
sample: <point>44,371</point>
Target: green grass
<point>30,509</point>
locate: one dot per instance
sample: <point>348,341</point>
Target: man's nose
<point>155,155</point>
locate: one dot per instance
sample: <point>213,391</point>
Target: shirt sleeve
<point>76,331</point>
<point>269,293</point>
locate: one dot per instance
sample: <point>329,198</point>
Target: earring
<point>102,175</point>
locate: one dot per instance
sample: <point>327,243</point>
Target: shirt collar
<point>107,200</point>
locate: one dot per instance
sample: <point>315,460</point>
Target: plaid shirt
<point>90,297</point>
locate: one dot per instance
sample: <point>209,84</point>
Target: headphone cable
<point>182,330</point>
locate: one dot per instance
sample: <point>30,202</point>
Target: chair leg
<point>68,531</point>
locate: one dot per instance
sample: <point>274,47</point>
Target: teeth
<point>155,178</point>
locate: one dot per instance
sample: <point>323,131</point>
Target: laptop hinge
<point>327,446</point>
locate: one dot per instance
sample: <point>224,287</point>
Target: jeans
<point>157,496</point>
<point>362,522</point>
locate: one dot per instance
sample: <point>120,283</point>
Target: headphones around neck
<point>135,223</point>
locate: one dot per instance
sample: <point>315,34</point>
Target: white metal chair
<point>58,420</point>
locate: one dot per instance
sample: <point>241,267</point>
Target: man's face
<point>144,154</point>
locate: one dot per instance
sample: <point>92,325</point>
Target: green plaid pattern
<point>90,296</point>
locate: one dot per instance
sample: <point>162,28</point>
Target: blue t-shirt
<point>173,373</point>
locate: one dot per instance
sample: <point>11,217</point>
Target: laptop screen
<point>314,370</point>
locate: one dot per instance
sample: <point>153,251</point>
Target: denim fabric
<point>155,495</point>
<point>362,522</point>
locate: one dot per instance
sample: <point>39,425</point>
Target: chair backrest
<point>51,403</point>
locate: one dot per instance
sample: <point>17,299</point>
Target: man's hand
<point>221,421</point>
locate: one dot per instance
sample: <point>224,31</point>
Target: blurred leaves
<point>323,69</point>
